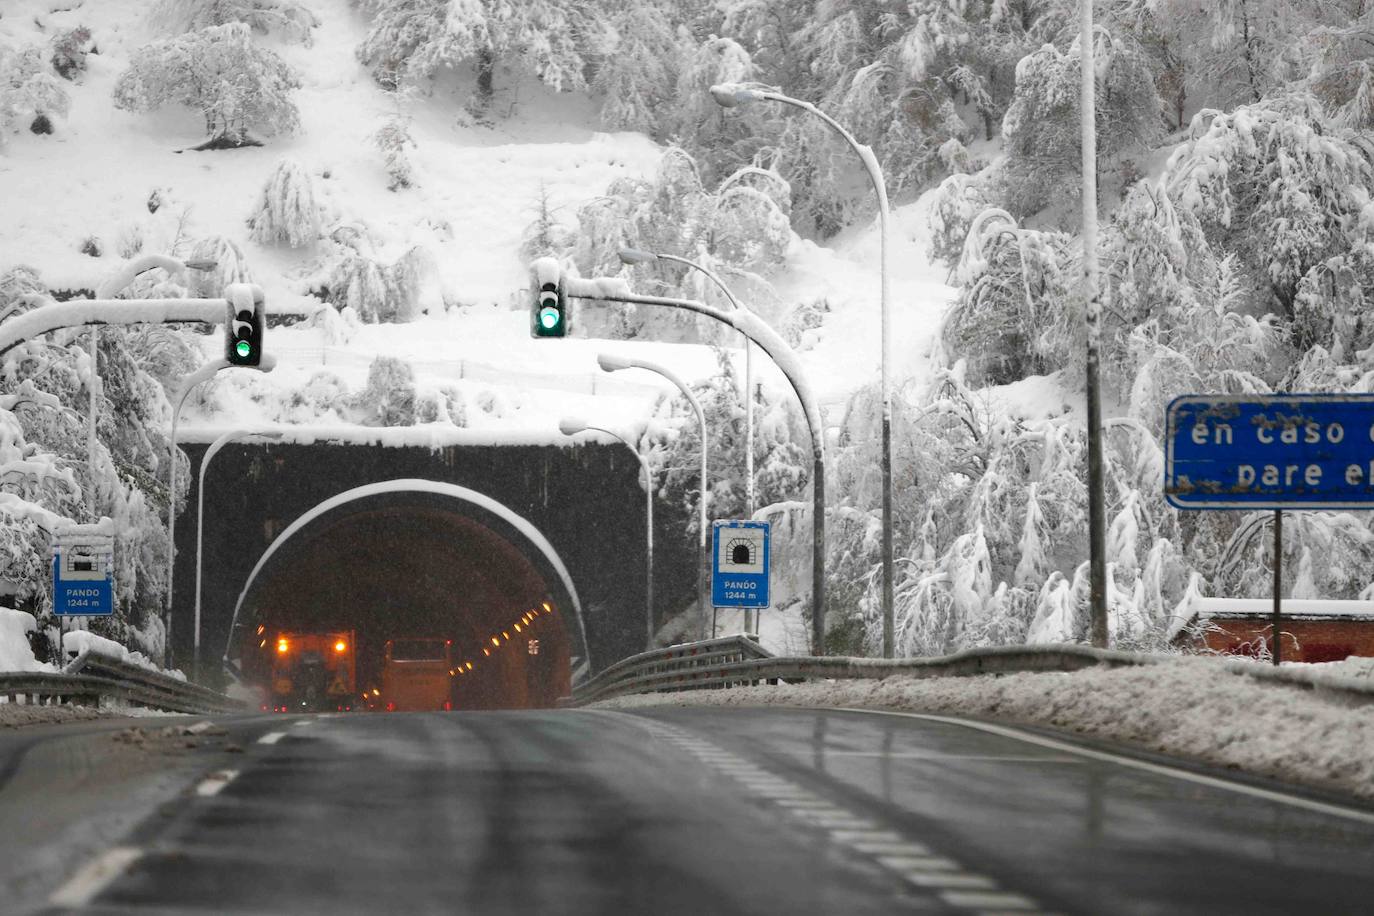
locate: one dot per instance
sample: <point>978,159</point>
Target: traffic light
<point>243,329</point>
<point>550,315</point>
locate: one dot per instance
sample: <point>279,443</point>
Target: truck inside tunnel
<point>404,572</point>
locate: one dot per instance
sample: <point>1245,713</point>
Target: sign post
<point>1280,451</point>
<point>740,566</point>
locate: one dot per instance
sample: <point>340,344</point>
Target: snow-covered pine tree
<point>290,19</point>
<point>392,139</point>
<point>288,209</point>
<point>237,86</point>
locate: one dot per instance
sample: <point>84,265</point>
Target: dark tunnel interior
<point>392,575</point>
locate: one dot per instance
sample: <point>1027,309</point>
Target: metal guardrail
<point>738,661</point>
<point>92,677</point>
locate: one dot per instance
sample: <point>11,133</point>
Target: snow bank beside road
<point>15,652</point>
<point>1188,707</point>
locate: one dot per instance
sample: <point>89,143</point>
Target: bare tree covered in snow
<point>237,86</point>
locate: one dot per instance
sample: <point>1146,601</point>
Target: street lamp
<point>572,426</point>
<point>108,290</point>
<point>611,363</point>
<point>210,452</point>
<point>731,95</point>
<point>636,256</point>
<point>205,372</point>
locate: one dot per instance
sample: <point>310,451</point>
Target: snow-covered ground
<point>1188,707</point>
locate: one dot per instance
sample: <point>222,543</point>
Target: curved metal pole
<point>205,372</point>
<point>729,95</point>
<point>195,378</point>
<point>875,175</point>
<point>702,591</point>
<point>748,380</point>
<point>649,528</point>
<point>210,453</point>
<point>612,290</point>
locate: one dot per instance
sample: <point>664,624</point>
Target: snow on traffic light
<point>244,326</point>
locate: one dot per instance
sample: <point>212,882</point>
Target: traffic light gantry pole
<point>614,289</point>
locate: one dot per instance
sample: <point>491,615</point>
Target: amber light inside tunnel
<point>418,572</point>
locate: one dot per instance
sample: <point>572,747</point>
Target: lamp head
<point>730,95</point>
<point>636,256</point>
<point>609,362</point>
<point>571,426</point>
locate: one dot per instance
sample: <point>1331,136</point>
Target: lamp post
<point>635,256</point>
<point>1097,513</point>
<point>108,290</point>
<point>609,289</point>
<point>572,426</point>
<point>612,363</point>
<point>731,95</point>
<point>210,452</point>
<point>202,374</point>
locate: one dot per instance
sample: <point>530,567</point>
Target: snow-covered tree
<point>30,93</point>
<point>1042,125</point>
<point>392,139</point>
<point>288,209</point>
<point>237,86</point>
<point>638,74</point>
<point>291,19</point>
<point>231,266</point>
<point>389,398</point>
<point>411,40</point>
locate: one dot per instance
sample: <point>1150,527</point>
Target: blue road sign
<point>1282,451</point>
<point>740,564</point>
<point>82,582</point>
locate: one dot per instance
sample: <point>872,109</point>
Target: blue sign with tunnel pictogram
<point>740,564</point>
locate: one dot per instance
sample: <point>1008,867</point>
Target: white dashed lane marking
<point>95,876</point>
<point>912,862</point>
<point>215,782</point>
<point>271,737</point>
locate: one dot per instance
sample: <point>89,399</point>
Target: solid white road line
<point>95,876</point>
<point>215,782</point>
<point>271,737</point>
<point>1294,801</point>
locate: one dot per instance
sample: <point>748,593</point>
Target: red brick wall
<point>1303,640</point>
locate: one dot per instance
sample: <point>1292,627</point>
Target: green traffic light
<point>243,348</point>
<point>548,318</point>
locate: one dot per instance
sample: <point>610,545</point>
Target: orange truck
<point>312,671</point>
<point>415,674</point>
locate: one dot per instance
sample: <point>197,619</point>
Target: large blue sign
<point>740,564</point>
<point>1281,451</point>
<point>82,582</point>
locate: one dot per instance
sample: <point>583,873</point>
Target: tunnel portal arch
<point>478,512</point>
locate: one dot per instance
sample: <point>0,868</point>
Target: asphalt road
<point>701,811</point>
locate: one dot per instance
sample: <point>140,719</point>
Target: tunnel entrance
<point>433,605</point>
